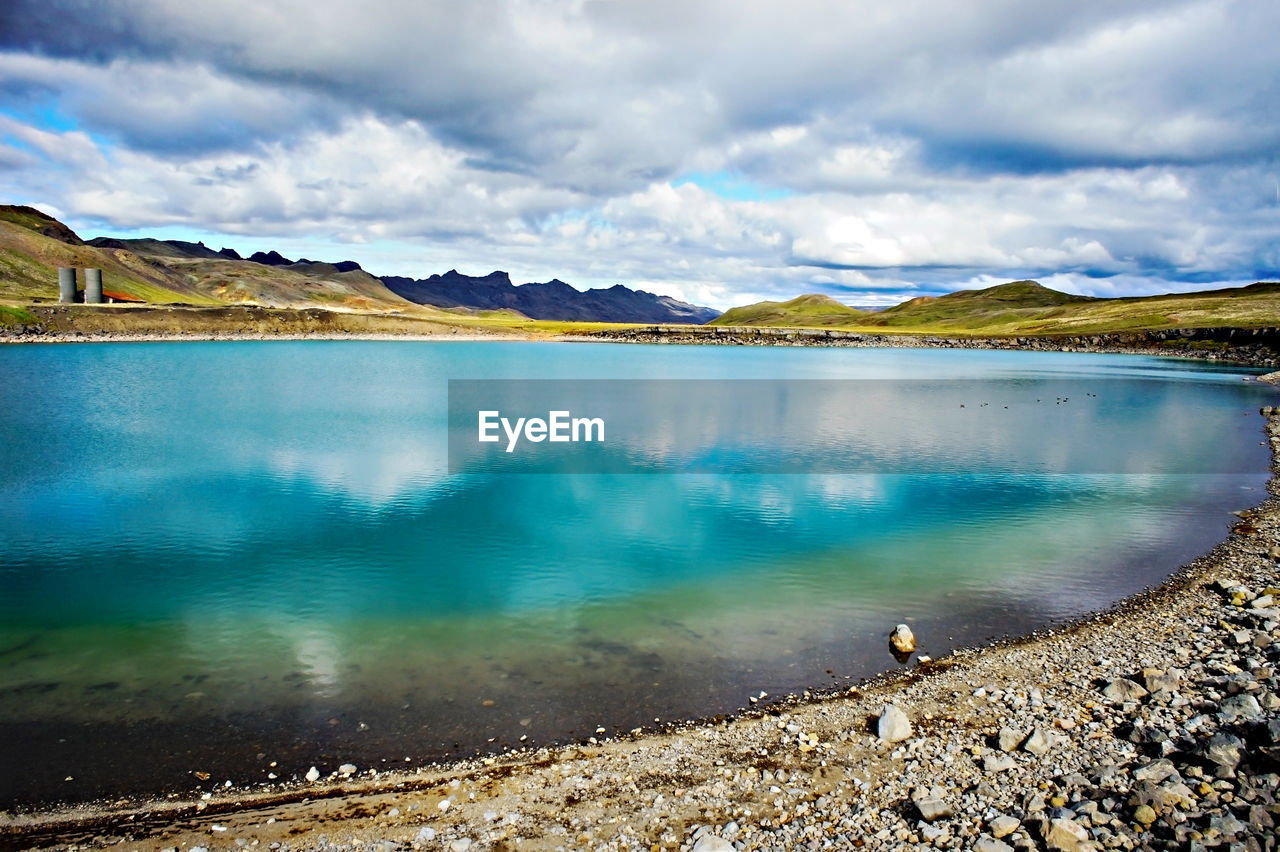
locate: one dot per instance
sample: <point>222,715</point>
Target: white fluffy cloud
<point>714,151</point>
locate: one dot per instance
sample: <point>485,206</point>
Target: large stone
<point>1162,682</point>
<point>986,843</point>
<point>902,640</point>
<point>931,804</point>
<point>1065,835</point>
<point>1009,739</point>
<point>1224,750</point>
<point>1040,741</point>
<point>894,726</point>
<point>712,843</point>
<point>1003,826</point>
<point>1163,797</point>
<point>1156,770</point>
<point>1239,707</point>
<point>1122,690</point>
<point>998,763</point>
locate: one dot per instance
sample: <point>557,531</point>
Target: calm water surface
<point>218,555</point>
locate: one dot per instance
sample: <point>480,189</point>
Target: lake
<point>248,558</point>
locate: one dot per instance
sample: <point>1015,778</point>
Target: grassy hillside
<point>812,311</point>
<point>33,247</point>
<point>1027,308</point>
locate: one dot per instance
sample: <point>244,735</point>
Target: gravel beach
<point>1153,726</point>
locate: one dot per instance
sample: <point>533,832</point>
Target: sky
<point>718,152</point>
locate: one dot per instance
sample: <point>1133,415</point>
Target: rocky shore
<point>1153,726</point>
<point>1259,347</point>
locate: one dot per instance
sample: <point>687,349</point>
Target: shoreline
<point>55,323</point>
<point>1255,347</point>
<point>1130,708</point>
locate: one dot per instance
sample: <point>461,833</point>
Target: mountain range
<point>550,300</point>
<point>33,245</point>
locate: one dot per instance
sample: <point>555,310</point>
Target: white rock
<point>313,775</point>
<point>894,726</point>
<point>1040,741</point>
<point>712,843</point>
<point>426,834</point>
<point>985,843</point>
<point>346,770</point>
<point>461,845</point>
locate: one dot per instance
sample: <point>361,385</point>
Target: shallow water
<point>215,556</point>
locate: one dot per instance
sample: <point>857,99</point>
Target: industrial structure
<point>67,292</point>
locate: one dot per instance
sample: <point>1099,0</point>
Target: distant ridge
<point>550,300</point>
<point>1025,307</point>
<point>813,310</point>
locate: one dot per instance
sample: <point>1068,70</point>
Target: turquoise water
<point>215,551</point>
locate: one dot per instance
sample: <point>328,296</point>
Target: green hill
<point>813,311</point>
<point>1003,304</point>
<point>1029,308</point>
<point>34,245</point>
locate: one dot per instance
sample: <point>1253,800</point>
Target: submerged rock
<point>902,640</point>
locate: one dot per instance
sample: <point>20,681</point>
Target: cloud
<point>714,151</point>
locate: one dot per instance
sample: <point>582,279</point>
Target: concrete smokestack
<point>66,285</point>
<point>93,286</point>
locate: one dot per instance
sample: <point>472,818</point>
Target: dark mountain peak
<point>230,254</point>
<point>453,277</point>
<point>40,222</point>
<point>549,300</point>
<point>191,249</point>
<point>347,266</point>
<point>498,277</point>
<point>270,258</point>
